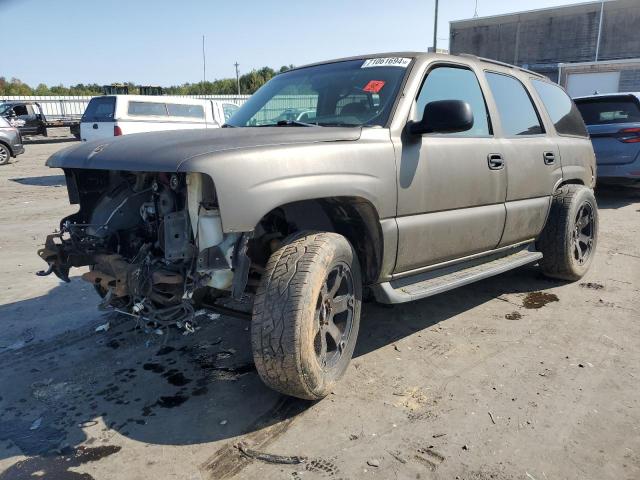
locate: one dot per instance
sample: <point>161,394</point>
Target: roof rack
<point>502,64</point>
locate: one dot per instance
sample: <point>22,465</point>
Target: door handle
<point>549,158</point>
<point>95,126</point>
<point>495,161</point>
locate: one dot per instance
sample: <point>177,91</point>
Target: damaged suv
<point>409,175</point>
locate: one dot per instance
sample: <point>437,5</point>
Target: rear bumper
<point>628,171</point>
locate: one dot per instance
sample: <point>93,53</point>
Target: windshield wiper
<point>227,125</point>
<point>294,123</point>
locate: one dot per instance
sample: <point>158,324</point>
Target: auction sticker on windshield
<point>401,62</point>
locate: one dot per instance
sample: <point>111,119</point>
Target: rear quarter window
<point>100,109</point>
<point>565,116</point>
<point>599,111</point>
<point>182,110</point>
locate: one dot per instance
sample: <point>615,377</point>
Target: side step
<point>430,283</point>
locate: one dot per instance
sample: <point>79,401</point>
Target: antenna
<point>204,64</point>
<point>475,12</point>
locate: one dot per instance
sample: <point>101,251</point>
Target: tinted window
<point>517,114</point>
<point>228,110</point>
<point>147,108</point>
<point>178,110</point>
<point>564,114</point>
<point>100,109</point>
<point>450,83</point>
<point>597,111</point>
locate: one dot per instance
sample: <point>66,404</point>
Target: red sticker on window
<point>374,86</point>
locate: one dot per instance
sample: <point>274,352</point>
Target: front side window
<point>350,93</point>
<point>564,114</point>
<point>229,109</point>
<point>147,109</point>
<point>453,83</point>
<point>518,116</point>
<point>182,110</point>
<point>604,110</point>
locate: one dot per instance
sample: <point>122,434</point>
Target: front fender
<point>251,182</point>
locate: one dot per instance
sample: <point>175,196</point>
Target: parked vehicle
<point>115,115</point>
<point>420,173</point>
<point>31,120</point>
<point>613,121</point>
<point>10,142</point>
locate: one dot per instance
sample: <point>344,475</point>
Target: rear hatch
<point>613,122</point>
<point>98,120</point>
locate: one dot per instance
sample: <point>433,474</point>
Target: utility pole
<point>475,12</point>
<point>435,29</point>
<point>237,76</point>
<point>204,64</point>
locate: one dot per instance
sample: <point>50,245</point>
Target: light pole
<point>435,29</point>
<point>204,64</point>
<point>237,76</point>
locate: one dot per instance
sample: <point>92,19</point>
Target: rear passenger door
<point>531,158</point>
<point>451,187</point>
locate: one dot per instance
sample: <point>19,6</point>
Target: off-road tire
<point>557,239</point>
<point>5,154</point>
<point>285,325</point>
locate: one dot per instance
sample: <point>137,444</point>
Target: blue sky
<point>160,42</point>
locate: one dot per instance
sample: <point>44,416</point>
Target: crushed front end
<point>153,242</point>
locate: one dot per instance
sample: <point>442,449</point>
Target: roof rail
<point>502,64</point>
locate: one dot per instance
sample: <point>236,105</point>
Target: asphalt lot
<point>513,377</point>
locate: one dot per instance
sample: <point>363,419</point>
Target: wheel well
<point>353,217</point>
<point>571,181</point>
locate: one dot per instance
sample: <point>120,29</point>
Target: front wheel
<point>5,154</point>
<point>306,315</point>
<point>568,241</point>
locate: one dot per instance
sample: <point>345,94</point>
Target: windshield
<point>4,108</point>
<point>349,93</point>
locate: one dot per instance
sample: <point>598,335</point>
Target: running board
<point>433,282</point>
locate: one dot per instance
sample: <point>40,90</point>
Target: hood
<point>165,151</point>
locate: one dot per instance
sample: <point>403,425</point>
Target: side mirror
<point>444,116</point>
<point>12,114</point>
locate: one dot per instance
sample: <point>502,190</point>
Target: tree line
<point>249,83</point>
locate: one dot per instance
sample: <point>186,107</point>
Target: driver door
<point>451,187</point>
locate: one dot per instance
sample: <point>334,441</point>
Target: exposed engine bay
<point>153,243</point>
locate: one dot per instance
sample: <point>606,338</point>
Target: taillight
<point>629,135</point>
<point>117,131</point>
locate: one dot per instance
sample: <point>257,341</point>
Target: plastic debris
<point>103,328</point>
<point>36,424</point>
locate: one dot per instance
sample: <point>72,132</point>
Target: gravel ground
<point>513,377</point>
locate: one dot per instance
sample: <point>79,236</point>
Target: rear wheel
<point>5,154</point>
<point>569,239</point>
<point>306,315</point>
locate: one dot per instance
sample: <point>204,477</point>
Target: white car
<point>115,115</point>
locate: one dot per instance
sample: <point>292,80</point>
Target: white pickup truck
<point>115,115</point>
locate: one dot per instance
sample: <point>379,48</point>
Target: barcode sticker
<point>401,62</point>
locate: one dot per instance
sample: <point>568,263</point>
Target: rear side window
<point>598,111</point>
<point>147,109</point>
<point>453,83</point>
<point>518,116</point>
<point>100,109</point>
<point>181,110</point>
<point>564,114</point>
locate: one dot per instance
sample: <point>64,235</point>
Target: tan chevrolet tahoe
<point>397,176</point>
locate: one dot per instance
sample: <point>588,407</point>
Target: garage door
<point>579,84</point>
